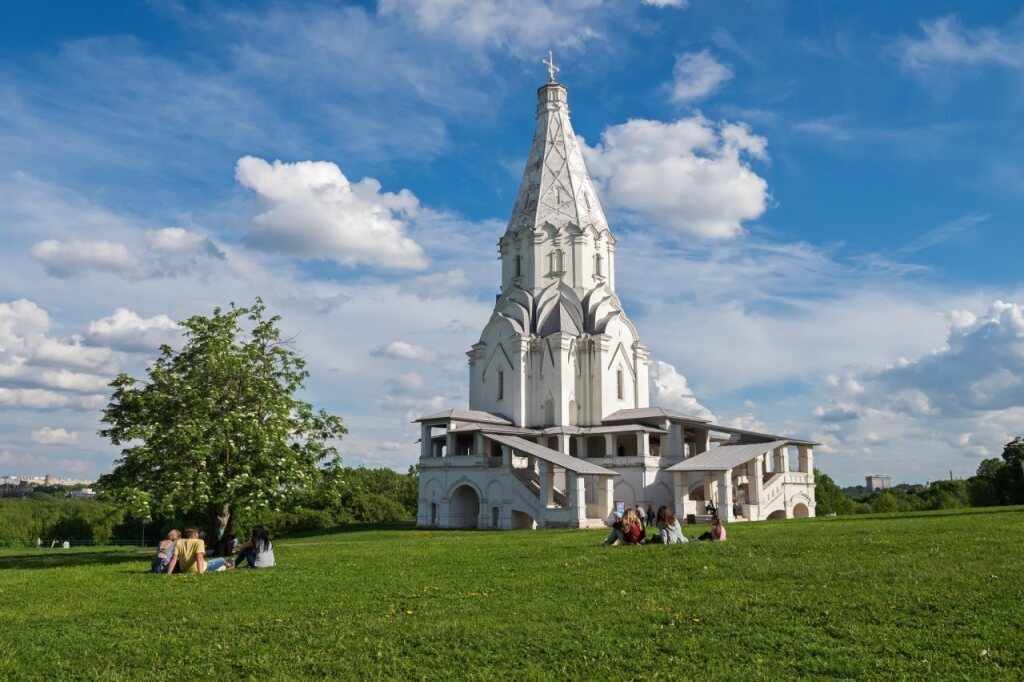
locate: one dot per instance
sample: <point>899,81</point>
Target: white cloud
<point>667,3</point>
<point>691,176</point>
<point>42,399</point>
<point>404,350</point>
<point>170,251</point>
<point>697,75</point>
<point>670,389</point>
<point>128,331</point>
<point>313,211</point>
<point>71,258</point>
<point>38,371</point>
<point>54,436</point>
<point>980,368</point>
<point>516,26</point>
<point>947,42</point>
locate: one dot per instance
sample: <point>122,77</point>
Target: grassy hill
<point>937,595</point>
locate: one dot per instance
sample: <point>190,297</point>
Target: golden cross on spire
<point>552,69</point>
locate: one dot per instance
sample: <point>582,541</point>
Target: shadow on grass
<point>46,559</point>
<point>353,528</point>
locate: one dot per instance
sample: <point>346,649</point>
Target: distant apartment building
<point>877,482</point>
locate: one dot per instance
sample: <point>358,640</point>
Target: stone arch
<point>624,492</point>
<point>800,511</point>
<point>662,494</point>
<point>777,514</point>
<point>495,492</point>
<point>549,411</point>
<point>574,416</point>
<point>432,489</point>
<point>433,513</point>
<point>464,507</point>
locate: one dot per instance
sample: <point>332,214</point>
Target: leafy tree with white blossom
<point>216,427</point>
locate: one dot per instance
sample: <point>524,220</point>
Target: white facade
<point>559,427</point>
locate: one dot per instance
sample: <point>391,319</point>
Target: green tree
<point>829,497</point>
<point>1010,481</point>
<point>216,427</point>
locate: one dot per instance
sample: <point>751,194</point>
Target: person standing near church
<point>642,516</point>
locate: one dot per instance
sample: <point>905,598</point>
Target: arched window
<point>501,384</point>
<point>621,384</point>
<point>433,513</point>
<point>519,266</point>
<point>597,265</point>
<point>495,517</point>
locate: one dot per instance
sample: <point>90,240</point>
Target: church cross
<point>552,69</point>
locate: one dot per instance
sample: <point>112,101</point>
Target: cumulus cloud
<point>403,350</point>
<point>168,251</point>
<point>691,176</point>
<point>670,389</point>
<point>697,75</point>
<point>313,211</point>
<point>128,331</point>
<point>516,26</point>
<point>981,368</point>
<point>39,371</point>
<point>70,258</point>
<point>54,436</point>
<point>947,42</point>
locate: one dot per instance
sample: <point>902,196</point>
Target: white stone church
<point>559,430</point>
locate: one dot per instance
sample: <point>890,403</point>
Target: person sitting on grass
<point>258,552</point>
<point>717,532</point>
<point>669,531</point>
<point>164,551</point>
<point>189,556</point>
<point>626,530</point>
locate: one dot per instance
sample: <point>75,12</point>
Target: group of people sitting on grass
<point>631,529</point>
<point>188,554</point>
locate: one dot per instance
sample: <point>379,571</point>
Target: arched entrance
<point>800,511</point>
<point>464,510</point>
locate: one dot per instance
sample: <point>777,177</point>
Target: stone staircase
<point>531,481</point>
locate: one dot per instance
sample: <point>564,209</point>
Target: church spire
<point>556,189</point>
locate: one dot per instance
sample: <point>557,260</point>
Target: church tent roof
<point>726,457</point>
<point>575,464</point>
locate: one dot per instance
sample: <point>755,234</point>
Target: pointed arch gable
<point>621,350</point>
<point>500,348</point>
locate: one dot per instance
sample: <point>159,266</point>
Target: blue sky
<point>818,208</point>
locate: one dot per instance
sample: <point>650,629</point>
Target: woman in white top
<point>258,552</point>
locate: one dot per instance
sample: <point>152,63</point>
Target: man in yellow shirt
<point>189,554</point>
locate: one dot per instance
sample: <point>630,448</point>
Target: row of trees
<point>999,481</point>
<point>357,495</point>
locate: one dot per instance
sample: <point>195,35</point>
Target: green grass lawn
<point>937,596</point>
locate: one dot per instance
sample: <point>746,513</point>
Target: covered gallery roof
<point>649,413</point>
<point>726,457</point>
<point>580,466</point>
<point>469,416</point>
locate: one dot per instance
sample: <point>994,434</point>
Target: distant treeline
<point>351,495</point>
<point>998,481</point>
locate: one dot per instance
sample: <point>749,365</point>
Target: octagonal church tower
<point>558,349</point>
